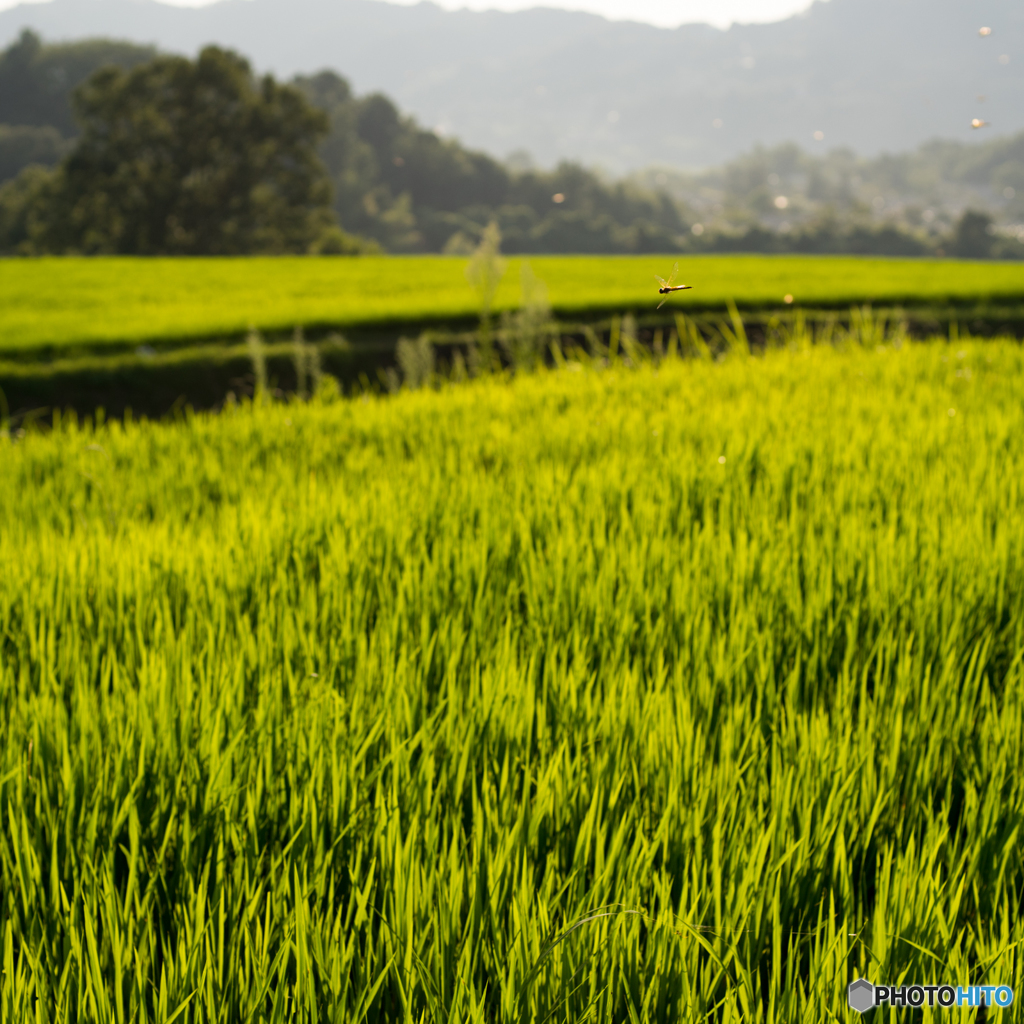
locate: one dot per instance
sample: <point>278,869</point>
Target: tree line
<point>944,198</point>
<point>154,153</point>
<point>109,147</point>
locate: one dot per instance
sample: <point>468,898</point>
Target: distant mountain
<point>873,75</point>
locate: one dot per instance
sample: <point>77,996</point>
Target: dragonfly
<point>667,287</point>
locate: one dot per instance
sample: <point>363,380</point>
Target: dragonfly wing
<point>661,281</point>
<point>663,301</point>
<point>672,277</point>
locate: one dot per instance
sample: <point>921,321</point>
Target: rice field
<point>55,304</point>
<point>681,692</point>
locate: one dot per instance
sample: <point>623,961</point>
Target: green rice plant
<point>869,329</point>
<point>306,359</point>
<point>257,355</point>
<point>328,387</point>
<point>614,338</point>
<point>417,361</point>
<point>634,354</point>
<point>658,344</point>
<point>691,340</point>
<point>734,336</point>
<point>691,691</point>
<point>484,272</point>
<point>525,332</point>
<point>299,360</point>
<point>801,335</point>
<point>595,348</point>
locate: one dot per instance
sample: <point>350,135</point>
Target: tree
<point>973,238</point>
<point>20,199</point>
<point>23,145</point>
<point>415,191</point>
<point>37,79</point>
<point>188,158</point>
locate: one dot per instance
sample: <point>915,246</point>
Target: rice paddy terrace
<point>684,691</point>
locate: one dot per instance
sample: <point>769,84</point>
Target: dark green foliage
<point>414,191</point>
<point>973,239</point>
<point>187,158</point>
<point>154,383</point>
<point>827,236</point>
<point>25,145</point>
<point>1004,248</point>
<point>904,204</point>
<point>36,81</point>
<point>20,201</point>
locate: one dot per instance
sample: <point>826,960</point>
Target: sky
<point>668,13</point>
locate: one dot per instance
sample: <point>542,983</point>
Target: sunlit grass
<point>65,302</point>
<point>347,711</point>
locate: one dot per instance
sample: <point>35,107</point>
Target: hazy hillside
<point>870,74</point>
<point>392,182</point>
<point>786,192</point>
<point>410,190</point>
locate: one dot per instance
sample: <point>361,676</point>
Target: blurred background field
<point>349,709</point>
<point>153,334</point>
<point>49,305</point>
